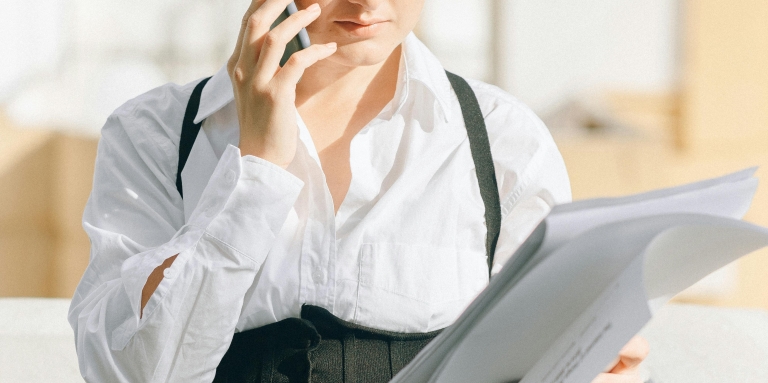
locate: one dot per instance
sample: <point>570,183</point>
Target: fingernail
<point>314,7</point>
<point>331,45</point>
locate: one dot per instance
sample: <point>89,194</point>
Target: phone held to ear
<point>299,41</point>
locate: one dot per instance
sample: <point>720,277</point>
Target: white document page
<point>730,196</point>
<point>515,334</point>
<point>594,203</point>
<point>680,257</point>
<point>683,254</point>
<point>593,340</point>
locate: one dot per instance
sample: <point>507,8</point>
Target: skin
<point>346,80</point>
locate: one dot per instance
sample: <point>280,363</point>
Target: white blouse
<point>405,252</point>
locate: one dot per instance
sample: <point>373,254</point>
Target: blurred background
<point>638,95</point>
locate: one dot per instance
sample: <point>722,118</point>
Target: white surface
<point>697,344</point>
<point>36,342</point>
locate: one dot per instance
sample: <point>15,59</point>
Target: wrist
<point>266,152</point>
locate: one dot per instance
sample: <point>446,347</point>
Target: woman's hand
<point>624,368</point>
<point>265,93</point>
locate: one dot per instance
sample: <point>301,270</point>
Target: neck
<point>329,82</point>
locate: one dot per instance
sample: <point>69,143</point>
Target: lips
<point>362,22</point>
<point>362,28</point>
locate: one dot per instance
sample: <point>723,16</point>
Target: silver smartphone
<point>299,42</point>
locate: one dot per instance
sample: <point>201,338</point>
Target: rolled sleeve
<point>260,187</point>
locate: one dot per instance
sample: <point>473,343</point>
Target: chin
<point>362,53</point>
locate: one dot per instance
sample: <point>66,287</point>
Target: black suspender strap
<point>481,155</point>
<point>189,131</point>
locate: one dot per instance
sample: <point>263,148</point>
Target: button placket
<point>318,248</point>
<point>319,245</point>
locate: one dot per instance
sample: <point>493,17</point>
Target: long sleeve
<point>135,220</point>
<point>520,218</point>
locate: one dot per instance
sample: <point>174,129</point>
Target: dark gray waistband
<point>319,348</point>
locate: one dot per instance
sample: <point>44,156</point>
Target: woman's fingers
<point>275,41</point>
<point>260,50</point>
<point>625,368</point>
<point>613,364</point>
<point>301,60</point>
<point>631,355</point>
<point>255,4</point>
<point>256,26</point>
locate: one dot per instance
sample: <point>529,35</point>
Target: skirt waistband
<point>318,347</point>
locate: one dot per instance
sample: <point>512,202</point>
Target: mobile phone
<point>299,41</point>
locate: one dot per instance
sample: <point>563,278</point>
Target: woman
<point>348,198</point>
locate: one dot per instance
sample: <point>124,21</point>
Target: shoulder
<point>507,117</point>
<point>148,126</point>
<point>526,157</point>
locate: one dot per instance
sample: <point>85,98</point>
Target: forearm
<point>153,281</point>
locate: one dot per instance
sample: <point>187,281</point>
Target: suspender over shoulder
<point>478,142</point>
<point>481,155</point>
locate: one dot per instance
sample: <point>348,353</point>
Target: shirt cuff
<point>246,203</point>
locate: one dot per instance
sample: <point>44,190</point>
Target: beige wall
<point>73,175</point>
<point>45,179</point>
<point>725,110</point>
<point>725,74</point>
<point>26,233</point>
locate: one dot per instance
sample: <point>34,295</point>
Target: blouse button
<point>318,275</point>
<point>169,273</point>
